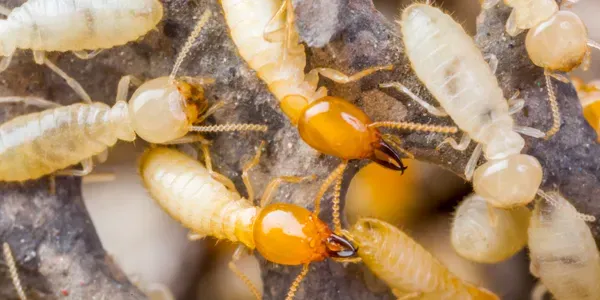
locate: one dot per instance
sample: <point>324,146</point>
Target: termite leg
<point>515,103</point>
<point>211,110</point>
<point>98,177</point>
<point>198,80</point>
<point>436,111</point>
<point>277,34</point>
<point>337,172</point>
<point>33,101</point>
<point>340,77</point>
<point>194,236</point>
<point>14,273</point>
<point>539,291</point>
<point>237,254</point>
<point>529,131</point>
<point>587,60</point>
<point>215,175</point>
<point>296,283</point>
<point>593,44</point>
<point>246,171</point>
<point>534,269</point>
<point>102,156</point>
<point>40,58</point>
<point>553,106</point>
<point>87,164</point>
<point>487,4</point>
<point>492,60</point>
<point>559,77</point>
<point>188,139</point>
<point>123,87</point>
<point>511,24</point>
<point>276,182</point>
<point>5,10</point>
<point>472,163</point>
<point>87,55</point>
<point>465,140</point>
<point>5,62</point>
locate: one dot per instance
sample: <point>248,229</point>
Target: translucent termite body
<point>451,66</point>
<point>487,234</point>
<point>162,110</point>
<point>264,33</point>
<point>409,269</point>
<point>58,25</point>
<point>563,251</point>
<point>282,233</point>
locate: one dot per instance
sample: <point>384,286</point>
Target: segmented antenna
<point>188,44</point>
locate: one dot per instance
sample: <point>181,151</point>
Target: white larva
<point>448,62</point>
<point>487,234</point>
<point>77,25</point>
<point>563,251</point>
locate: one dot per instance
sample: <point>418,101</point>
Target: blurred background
<point>155,252</point>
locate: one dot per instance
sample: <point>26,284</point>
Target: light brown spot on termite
<point>450,72</point>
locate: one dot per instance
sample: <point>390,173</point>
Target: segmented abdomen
<point>447,61</point>
<point>186,191</point>
<point>247,20</point>
<point>41,143</point>
<point>406,266</point>
<point>61,25</point>
<point>563,251</point>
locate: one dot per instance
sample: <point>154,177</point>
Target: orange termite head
<point>337,127</point>
<point>288,234</point>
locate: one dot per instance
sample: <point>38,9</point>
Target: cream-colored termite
<point>282,233</point>
<point>408,268</point>
<point>12,268</point>
<point>449,63</point>
<point>162,110</point>
<point>76,26</point>
<point>562,249</point>
<point>557,41</point>
<point>487,234</point>
<point>269,43</point>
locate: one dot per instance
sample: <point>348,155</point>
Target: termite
<point>408,268</point>
<point>265,36</point>
<point>589,96</point>
<point>562,249</point>
<point>557,41</point>
<point>162,110</point>
<point>282,233</point>
<point>487,234</point>
<point>76,26</point>
<point>447,61</point>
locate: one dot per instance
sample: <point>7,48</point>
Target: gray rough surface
<point>44,229</point>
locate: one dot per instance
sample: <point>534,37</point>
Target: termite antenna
<point>553,106</point>
<point>230,127</point>
<point>415,126</point>
<point>552,201</point>
<point>296,283</point>
<point>337,172</point>
<point>14,274</point>
<point>336,205</point>
<point>188,44</point>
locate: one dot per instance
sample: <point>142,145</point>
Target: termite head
<point>288,234</point>
<point>337,127</point>
<point>8,44</point>
<point>162,110</point>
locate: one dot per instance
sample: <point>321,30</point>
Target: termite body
<point>162,110</point>
<point>269,43</point>
<point>557,41</point>
<point>57,25</point>
<point>451,66</point>
<point>408,268</point>
<point>563,251</point>
<point>282,233</point>
<point>487,234</point>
